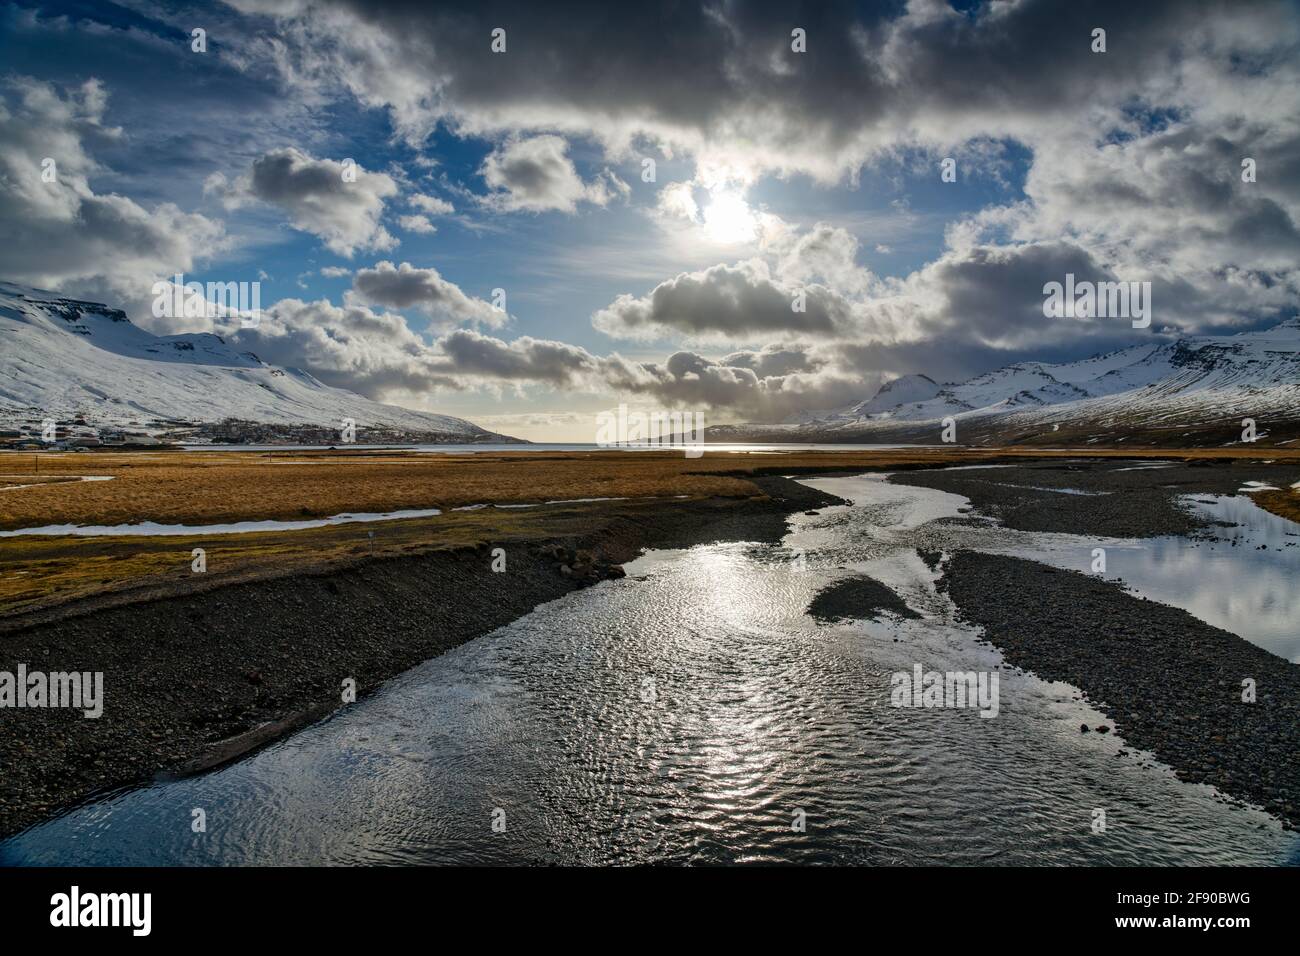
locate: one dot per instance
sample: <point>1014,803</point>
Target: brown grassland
<point>1284,502</point>
<point>197,488</point>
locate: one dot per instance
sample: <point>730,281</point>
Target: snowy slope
<point>900,393</point>
<point>1188,382</point>
<point>62,357</point>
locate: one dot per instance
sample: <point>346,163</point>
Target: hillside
<point>65,359</point>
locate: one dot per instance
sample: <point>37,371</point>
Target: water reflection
<point>1241,576</point>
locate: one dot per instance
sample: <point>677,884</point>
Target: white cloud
<point>337,201</point>
<point>417,224</point>
<point>431,205</point>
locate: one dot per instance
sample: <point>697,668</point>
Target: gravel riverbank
<point>1170,683</point>
<point>860,598</point>
<point>1119,499</point>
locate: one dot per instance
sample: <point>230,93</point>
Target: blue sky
<point>777,172</point>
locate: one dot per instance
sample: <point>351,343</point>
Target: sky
<point>739,209</point>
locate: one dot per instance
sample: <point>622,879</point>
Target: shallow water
<point>153,528</point>
<point>688,713</point>
<point>1240,576</point>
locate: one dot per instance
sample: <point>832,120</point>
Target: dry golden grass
<point>1284,502</point>
<point>213,487</point>
<point>43,571</point>
<point>197,488</point>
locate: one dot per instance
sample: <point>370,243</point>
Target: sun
<point>728,218</point>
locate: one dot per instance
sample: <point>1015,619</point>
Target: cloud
<point>724,302</point>
<point>536,175</point>
<point>728,89</point>
<point>349,346</point>
<point>63,234</point>
<point>431,205</point>
<point>771,384</point>
<point>526,359</point>
<point>405,287</point>
<point>1134,153</point>
<point>418,224</point>
<point>336,201</point>
<point>677,201</point>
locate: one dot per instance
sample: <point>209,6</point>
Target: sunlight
<point>728,218</point>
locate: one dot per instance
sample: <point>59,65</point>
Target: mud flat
<point>195,679</point>
<point>1169,683</point>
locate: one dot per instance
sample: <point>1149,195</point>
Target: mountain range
<point>70,360</point>
<point>65,359</point>
<point>1191,390</point>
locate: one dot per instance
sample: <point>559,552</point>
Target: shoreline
<point>195,680</point>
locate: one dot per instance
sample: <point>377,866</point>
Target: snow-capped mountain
<point>1194,389</point>
<point>62,358</point>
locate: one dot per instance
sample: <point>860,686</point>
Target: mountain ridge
<point>1193,388</point>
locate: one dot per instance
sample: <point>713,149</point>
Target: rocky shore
<point>197,679</point>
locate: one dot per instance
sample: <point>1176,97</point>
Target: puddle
<point>1059,491</point>
<point>150,528</point>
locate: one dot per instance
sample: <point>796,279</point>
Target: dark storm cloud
<point>524,360</point>
<point>711,76</point>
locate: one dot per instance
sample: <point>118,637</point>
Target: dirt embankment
<point>860,598</point>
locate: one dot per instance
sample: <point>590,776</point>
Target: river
<point>693,713</point>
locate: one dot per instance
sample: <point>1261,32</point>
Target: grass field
<point>198,488</point>
<point>1284,502</point>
